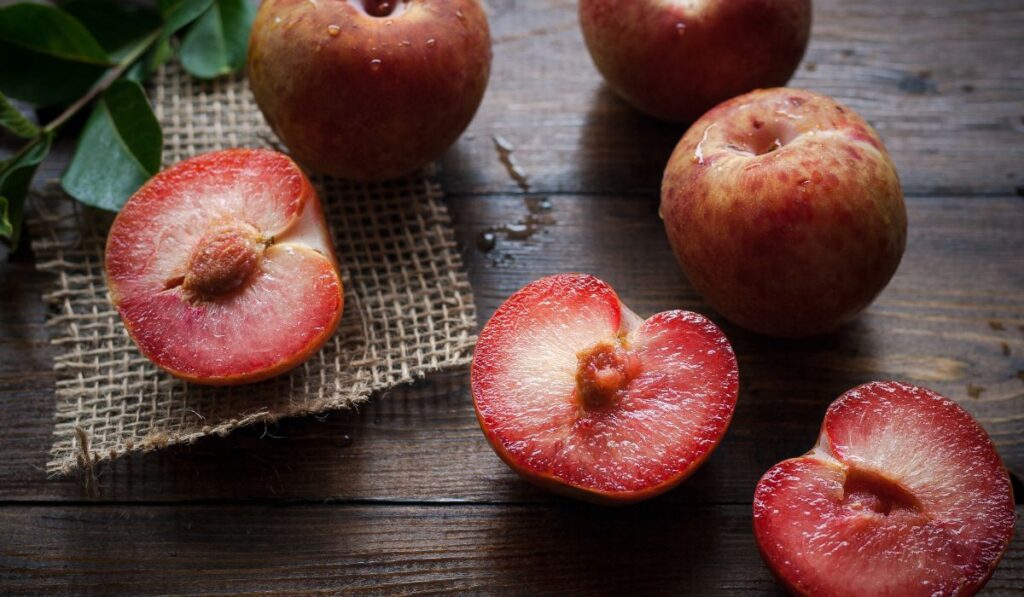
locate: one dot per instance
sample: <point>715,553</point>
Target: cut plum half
<point>579,395</point>
<point>904,494</point>
<point>223,270</point>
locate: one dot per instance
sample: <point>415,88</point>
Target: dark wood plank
<point>557,549</point>
<point>951,320</point>
<point>941,81</point>
<point>425,506</point>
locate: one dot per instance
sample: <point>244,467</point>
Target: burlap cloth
<point>408,304</point>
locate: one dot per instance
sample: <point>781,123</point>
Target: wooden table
<point>406,495</point>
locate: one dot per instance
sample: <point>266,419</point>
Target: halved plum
<point>223,270</point>
<point>904,494</point>
<point>579,395</point>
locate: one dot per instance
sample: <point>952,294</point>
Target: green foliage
<point>178,13</point>
<point>118,150</point>
<point>13,120</point>
<point>15,176</point>
<point>46,55</point>
<point>157,54</point>
<point>117,27</point>
<point>96,53</point>
<point>217,43</point>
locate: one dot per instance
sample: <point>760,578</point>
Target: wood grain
<point>942,81</point>
<point>950,320</point>
<point>565,548</point>
<point>405,496</point>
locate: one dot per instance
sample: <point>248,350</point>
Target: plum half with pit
<point>223,270</point>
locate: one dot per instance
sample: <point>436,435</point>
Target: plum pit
<point>223,260</point>
<point>602,372</point>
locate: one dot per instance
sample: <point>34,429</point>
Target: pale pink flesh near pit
<point>903,495</point>
<point>666,419</point>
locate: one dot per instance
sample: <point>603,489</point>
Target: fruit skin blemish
<point>904,494</point>
<point>580,396</point>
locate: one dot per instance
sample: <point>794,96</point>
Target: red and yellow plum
<point>785,211</point>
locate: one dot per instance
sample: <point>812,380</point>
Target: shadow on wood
<point>618,141</point>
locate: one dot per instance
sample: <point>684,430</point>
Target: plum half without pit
<point>904,494</point>
<point>223,270</point>
<point>580,396</point>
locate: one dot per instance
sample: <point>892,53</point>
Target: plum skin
<point>785,211</point>
<point>363,97</point>
<point>674,61</point>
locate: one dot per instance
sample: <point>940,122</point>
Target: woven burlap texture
<point>408,304</point>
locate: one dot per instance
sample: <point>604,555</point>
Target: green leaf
<point>117,26</point>
<point>14,121</point>
<point>217,42</point>
<point>6,227</point>
<point>118,150</point>
<point>46,55</point>
<point>51,31</point>
<point>15,177</point>
<point>178,13</point>
<point>159,53</point>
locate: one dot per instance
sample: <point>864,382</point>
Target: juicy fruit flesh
<point>904,494</point>
<point>222,269</point>
<point>661,406</point>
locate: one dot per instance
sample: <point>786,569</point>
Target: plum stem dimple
<point>765,137</point>
<point>602,372</point>
<point>379,8</point>
<point>223,260</point>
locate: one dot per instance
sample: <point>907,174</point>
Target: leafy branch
<point>96,54</point>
